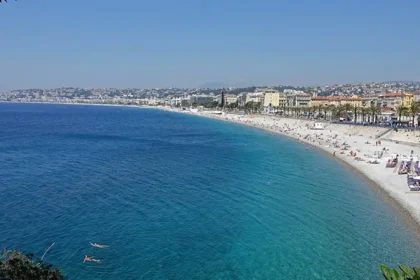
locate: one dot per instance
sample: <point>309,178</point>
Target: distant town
<point>386,96</point>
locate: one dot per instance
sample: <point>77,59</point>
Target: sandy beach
<point>353,145</point>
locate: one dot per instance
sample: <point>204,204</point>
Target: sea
<point>176,196</point>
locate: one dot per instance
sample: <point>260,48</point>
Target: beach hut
<point>317,126</point>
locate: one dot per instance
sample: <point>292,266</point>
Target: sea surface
<point>183,197</point>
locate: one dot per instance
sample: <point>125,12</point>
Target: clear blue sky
<point>161,43</point>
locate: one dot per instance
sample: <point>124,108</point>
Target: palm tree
<point>374,110</point>
<point>347,107</point>
<point>320,107</point>
<point>336,112</point>
<point>331,108</point>
<point>327,111</point>
<point>356,111</point>
<point>364,111</point>
<point>414,110</point>
<point>304,110</point>
<point>299,110</point>
<point>401,110</point>
<point>258,107</point>
<point>283,108</point>
<point>313,109</point>
<point>248,106</point>
<point>339,110</point>
<point>293,110</point>
<point>296,111</point>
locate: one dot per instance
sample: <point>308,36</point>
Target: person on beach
<point>90,259</point>
<point>98,245</point>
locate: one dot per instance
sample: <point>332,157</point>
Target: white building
<point>200,99</point>
<point>293,91</point>
<point>243,98</point>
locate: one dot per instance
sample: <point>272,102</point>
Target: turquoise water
<point>183,197</point>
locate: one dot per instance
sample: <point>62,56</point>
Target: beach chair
<point>413,188</point>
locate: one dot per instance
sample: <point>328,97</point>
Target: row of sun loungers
<point>404,167</point>
<point>413,184</point>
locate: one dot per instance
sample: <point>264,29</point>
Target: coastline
<point>84,104</point>
<point>391,186</point>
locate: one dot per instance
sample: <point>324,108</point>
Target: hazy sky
<point>160,43</point>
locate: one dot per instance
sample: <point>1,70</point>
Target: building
<point>256,97</point>
<point>244,98</point>
<point>200,99</point>
<point>298,100</point>
<point>293,91</point>
<point>355,101</point>
<point>407,99</point>
<point>321,101</point>
<point>370,100</point>
<point>416,96</point>
<point>271,99</point>
<point>176,101</point>
<point>389,100</point>
<point>274,98</point>
<point>230,98</point>
<point>186,101</point>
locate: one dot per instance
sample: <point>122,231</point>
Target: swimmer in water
<point>90,259</point>
<point>98,245</point>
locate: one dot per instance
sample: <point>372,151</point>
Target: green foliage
<point>16,266</point>
<point>233,105</point>
<point>374,110</point>
<point>210,104</point>
<point>252,107</point>
<point>405,273</point>
<point>222,102</point>
<point>364,112</point>
<point>414,110</point>
<point>401,110</point>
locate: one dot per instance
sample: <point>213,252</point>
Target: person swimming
<point>90,259</point>
<point>98,245</point>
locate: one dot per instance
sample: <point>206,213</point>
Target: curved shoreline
<point>391,186</point>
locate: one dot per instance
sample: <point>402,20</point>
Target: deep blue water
<point>183,197</point>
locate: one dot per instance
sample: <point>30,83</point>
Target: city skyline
<point>50,44</point>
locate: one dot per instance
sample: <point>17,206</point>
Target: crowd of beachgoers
<point>392,164</point>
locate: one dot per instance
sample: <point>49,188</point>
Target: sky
<point>180,43</point>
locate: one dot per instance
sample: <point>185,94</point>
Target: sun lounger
<point>414,188</point>
<point>392,164</point>
<point>403,168</point>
